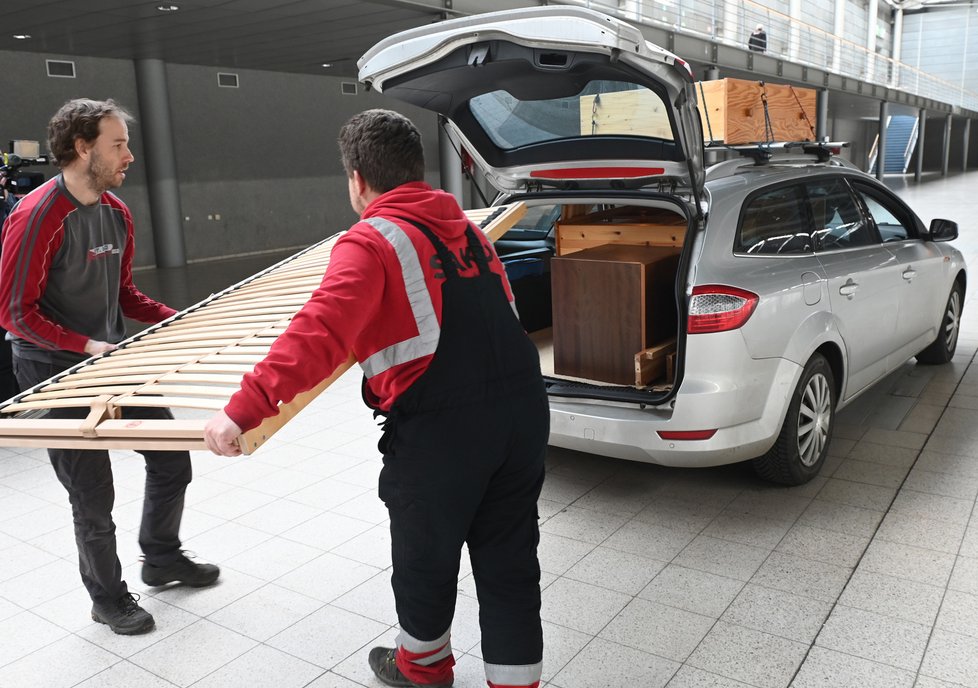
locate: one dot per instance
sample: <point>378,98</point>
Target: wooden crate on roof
<point>735,108</point>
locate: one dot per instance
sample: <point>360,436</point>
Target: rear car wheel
<point>942,349</point>
<point>800,450</point>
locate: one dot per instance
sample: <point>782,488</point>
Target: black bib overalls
<point>464,463</point>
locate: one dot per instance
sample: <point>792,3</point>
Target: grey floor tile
<point>888,455</point>
<point>779,504</point>
<point>582,607</point>
<point>841,518</point>
<point>875,637</point>
<point>561,645</point>
<point>262,666</point>
<point>650,541</point>
<point>87,660</point>
<point>959,613</point>
<point>695,591</point>
<point>585,525</point>
<point>373,599</point>
<point>906,561</point>
<point>862,495</point>
<point>660,630</point>
<point>691,677</point>
<point>940,483</point>
<point>265,612</point>
<point>747,529</point>
<point>615,570</point>
<point>891,596</point>
<point>564,489</point>
<point>965,466</point>
<point>895,438</point>
<point>722,557</point>
<point>777,612</point>
<point>327,531</point>
<point>750,656</point>
<point>952,657</point>
<point>169,620</point>
<point>603,664</point>
<point>25,633</point>
<point>826,668</point>
<point>969,545</point>
<point>930,682</point>
<point>964,578</point>
<point>938,507</point>
<point>346,632</point>
<point>277,517</point>
<point>678,514</point>
<point>273,558</point>
<point>872,473</point>
<point>557,554</point>
<point>124,675</point>
<point>816,579</point>
<point>824,545</point>
<point>203,647</point>
<point>327,577</point>
<point>941,536</point>
<point>623,497</point>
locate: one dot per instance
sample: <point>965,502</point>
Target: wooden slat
<point>195,360</point>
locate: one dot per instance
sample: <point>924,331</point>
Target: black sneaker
<point>181,570</point>
<point>124,616</point>
<point>382,661</point>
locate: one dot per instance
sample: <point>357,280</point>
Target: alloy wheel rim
<point>952,321</point>
<point>814,420</point>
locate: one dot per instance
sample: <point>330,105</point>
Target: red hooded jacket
<point>361,306</point>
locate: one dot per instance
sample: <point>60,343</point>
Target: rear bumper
<point>746,405</point>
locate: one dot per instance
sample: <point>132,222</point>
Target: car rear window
<point>601,108</point>
<point>775,222</point>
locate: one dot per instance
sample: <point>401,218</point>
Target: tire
<point>799,452</point>
<point>941,350</point>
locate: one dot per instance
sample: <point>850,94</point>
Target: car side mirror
<point>943,230</point>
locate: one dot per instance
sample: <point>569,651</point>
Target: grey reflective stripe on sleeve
<point>514,674</point>
<point>426,341</point>
<point>441,647</point>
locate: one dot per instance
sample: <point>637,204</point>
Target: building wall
<point>258,166</point>
<point>944,42</point>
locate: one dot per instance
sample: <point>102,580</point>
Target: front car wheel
<point>801,447</point>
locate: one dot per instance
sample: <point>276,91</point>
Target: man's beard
<point>101,177</point>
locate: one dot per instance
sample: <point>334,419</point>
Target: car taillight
<point>718,308</point>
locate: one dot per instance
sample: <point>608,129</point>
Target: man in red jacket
<point>65,287</point>
<point>421,299</point>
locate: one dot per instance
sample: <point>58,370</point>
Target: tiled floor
<point>865,577</point>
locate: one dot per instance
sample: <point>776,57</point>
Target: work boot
<point>382,661</point>
<point>124,616</point>
<point>182,570</point>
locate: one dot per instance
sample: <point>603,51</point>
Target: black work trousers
<point>87,476</point>
<point>469,474</point>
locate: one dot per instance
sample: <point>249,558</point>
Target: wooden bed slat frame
<point>194,360</point>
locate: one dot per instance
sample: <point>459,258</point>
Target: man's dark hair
<point>79,119</point>
<point>384,147</point>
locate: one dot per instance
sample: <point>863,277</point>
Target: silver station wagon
<point>685,316</point>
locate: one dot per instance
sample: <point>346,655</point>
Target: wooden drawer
<point>609,303</point>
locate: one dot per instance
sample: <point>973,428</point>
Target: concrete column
<point>881,143</point>
<point>947,146</point>
<point>732,31</point>
<point>822,114</point>
<point>838,30</point>
<point>794,35</point>
<point>921,130</point>
<point>161,165</point>
<point>897,46</point>
<point>449,162</point>
<point>872,17</point>
<point>966,144</point>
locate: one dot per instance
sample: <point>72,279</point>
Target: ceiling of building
<point>278,35</point>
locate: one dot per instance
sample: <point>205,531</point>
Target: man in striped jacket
<point>65,288</point>
<point>422,300</point>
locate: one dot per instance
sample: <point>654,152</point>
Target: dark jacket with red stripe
<point>66,275</point>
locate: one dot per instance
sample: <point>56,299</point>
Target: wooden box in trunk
<point>609,303</point>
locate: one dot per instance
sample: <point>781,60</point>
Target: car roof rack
<point>783,152</point>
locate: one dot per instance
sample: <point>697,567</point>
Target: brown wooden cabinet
<point>609,303</point>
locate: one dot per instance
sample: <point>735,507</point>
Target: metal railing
<point>731,21</point>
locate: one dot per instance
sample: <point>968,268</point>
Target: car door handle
<point>848,289</point>
<point>909,274</point>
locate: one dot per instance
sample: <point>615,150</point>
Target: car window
<point>600,108</point>
<point>838,222</point>
<point>775,223</point>
<point>891,220</point>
